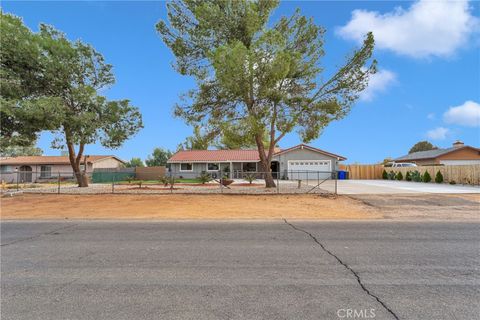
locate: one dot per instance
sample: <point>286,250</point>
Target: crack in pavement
<point>38,235</point>
<point>355,274</point>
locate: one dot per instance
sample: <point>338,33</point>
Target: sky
<point>427,86</point>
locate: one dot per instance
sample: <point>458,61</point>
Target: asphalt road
<point>240,270</point>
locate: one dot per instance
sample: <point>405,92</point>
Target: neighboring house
<point>299,162</point>
<point>36,168</point>
<point>458,154</point>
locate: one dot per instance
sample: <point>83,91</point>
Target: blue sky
<point>428,85</point>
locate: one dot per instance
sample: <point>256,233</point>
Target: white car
<point>400,165</point>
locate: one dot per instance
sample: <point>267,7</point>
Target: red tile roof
<point>234,155</point>
<point>215,155</point>
<point>47,160</point>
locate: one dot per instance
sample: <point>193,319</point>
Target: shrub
<point>416,176</point>
<point>452,182</point>
<point>384,175</point>
<point>426,177</point>
<point>204,177</point>
<point>391,175</point>
<point>439,177</point>
<point>399,176</point>
<point>164,180</point>
<point>408,176</point>
<point>250,177</point>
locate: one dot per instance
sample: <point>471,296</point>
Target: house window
<point>45,171</point>
<point>212,166</point>
<point>249,166</point>
<point>186,166</point>
<point>4,169</point>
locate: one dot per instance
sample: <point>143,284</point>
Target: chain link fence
<point>212,182</point>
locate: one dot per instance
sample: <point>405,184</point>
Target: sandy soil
<point>31,206</point>
<point>425,206</point>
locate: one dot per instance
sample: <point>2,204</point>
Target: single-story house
<point>298,162</point>
<point>34,168</point>
<point>458,154</point>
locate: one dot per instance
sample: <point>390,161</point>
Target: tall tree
<point>199,140</point>
<point>134,162</point>
<point>64,96</point>
<point>263,74</point>
<point>422,146</point>
<point>21,86</point>
<point>159,157</point>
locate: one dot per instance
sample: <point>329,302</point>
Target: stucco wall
<point>65,171</point>
<point>107,163</point>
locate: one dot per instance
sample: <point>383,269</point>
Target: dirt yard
<point>31,206</point>
<point>184,206</point>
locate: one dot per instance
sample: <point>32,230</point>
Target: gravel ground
<point>285,187</point>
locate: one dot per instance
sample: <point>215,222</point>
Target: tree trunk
<point>75,161</point>
<point>269,181</point>
<point>265,163</point>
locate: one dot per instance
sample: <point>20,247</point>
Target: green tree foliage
<point>198,141</point>
<point>22,89</point>
<point>408,176</point>
<point>384,175</point>
<point>439,177</point>
<point>426,177</point>
<point>416,176</point>
<point>422,146</point>
<point>262,74</point>
<point>16,151</point>
<point>134,162</point>
<point>58,91</point>
<point>399,176</point>
<point>159,157</point>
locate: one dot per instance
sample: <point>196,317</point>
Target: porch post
<point>231,170</point>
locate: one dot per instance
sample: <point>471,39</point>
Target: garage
<point>309,169</point>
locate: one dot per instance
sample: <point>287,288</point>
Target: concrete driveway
<point>398,187</point>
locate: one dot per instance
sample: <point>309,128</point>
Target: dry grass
<point>267,207</point>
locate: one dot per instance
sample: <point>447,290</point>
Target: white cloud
<point>468,114</point>
<point>431,116</point>
<point>439,133</point>
<point>378,83</point>
<point>427,28</point>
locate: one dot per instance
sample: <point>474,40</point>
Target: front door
<point>274,166</point>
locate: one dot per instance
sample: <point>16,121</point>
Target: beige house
<point>458,154</point>
<point>37,168</point>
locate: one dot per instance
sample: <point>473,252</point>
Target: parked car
<point>399,165</point>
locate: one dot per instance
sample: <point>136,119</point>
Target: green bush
<point>452,182</point>
<point>426,177</point>
<point>439,177</point>
<point>416,176</point>
<point>204,177</point>
<point>399,176</point>
<point>164,180</point>
<point>250,177</point>
<point>384,175</point>
<point>391,175</point>
<point>408,177</point>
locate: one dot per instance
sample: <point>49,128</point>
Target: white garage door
<point>309,169</point>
